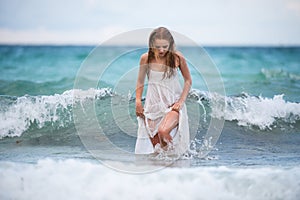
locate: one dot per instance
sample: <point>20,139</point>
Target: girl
<point>163,121</point>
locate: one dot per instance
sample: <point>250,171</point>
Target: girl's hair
<point>163,33</point>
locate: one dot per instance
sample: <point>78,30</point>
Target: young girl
<point>163,121</point>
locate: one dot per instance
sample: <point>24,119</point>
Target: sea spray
<point>75,179</point>
<point>252,111</point>
<point>18,114</point>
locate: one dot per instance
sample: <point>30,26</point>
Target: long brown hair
<point>165,34</point>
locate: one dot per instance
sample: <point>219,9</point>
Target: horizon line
<point>141,45</point>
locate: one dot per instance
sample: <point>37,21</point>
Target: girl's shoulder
<point>144,57</point>
<point>179,54</point>
<point>179,58</point>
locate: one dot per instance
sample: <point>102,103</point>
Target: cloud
<point>45,36</point>
<point>294,6</point>
<point>207,22</point>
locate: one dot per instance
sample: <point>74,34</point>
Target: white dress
<point>162,93</point>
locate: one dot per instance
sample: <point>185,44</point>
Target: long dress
<point>161,94</point>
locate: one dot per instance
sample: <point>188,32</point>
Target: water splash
<point>18,114</point>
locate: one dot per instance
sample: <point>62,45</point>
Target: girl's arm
<point>140,85</point>
<point>187,81</point>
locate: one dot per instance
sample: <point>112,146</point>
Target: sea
<point>68,125</point>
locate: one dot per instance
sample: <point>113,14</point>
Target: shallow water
<point>42,137</point>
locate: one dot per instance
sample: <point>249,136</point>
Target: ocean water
<point>68,130</point>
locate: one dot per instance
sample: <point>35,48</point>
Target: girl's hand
<point>139,110</point>
<point>176,106</point>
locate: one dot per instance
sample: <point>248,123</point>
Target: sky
<point>208,22</point>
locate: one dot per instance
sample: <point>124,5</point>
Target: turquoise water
<point>261,84</point>
<point>42,86</point>
<point>265,71</point>
<point>43,70</point>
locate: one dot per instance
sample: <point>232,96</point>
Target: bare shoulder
<point>180,58</point>
<point>144,58</point>
<point>179,55</point>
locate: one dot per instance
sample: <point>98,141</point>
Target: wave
<point>278,74</point>
<point>18,114</point>
<point>264,113</point>
<point>82,180</point>
<point>21,114</point>
<point>23,87</point>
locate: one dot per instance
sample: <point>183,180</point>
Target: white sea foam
<point>247,110</point>
<point>73,179</point>
<point>279,74</point>
<point>17,116</point>
<point>260,111</point>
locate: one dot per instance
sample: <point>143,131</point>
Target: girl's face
<point>161,47</point>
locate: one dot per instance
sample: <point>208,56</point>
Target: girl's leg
<point>155,140</point>
<point>151,125</point>
<point>168,123</point>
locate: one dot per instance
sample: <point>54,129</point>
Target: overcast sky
<point>208,22</point>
